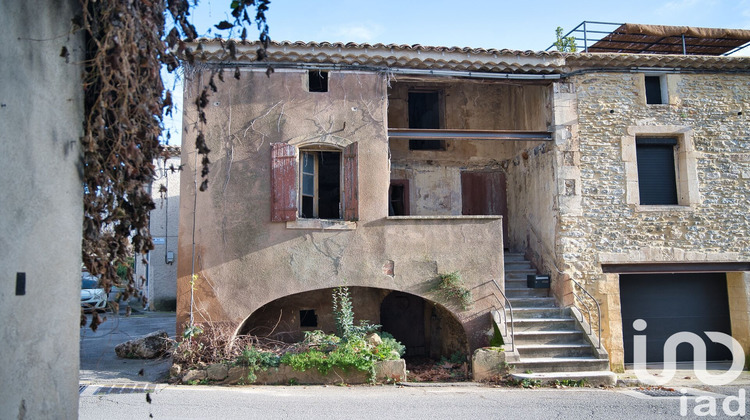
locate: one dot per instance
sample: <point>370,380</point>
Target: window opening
<point>398,198</point>
<point>653,90</point>
<point>320,184</point>
<point>657,180</point>
<point>424,112</point>
<point>308,318</point>
<point>317,81</point>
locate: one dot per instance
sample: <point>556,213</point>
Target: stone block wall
<point>601,223</point>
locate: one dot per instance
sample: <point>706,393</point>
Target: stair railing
<point>579,298</point>
<point>504,310</point>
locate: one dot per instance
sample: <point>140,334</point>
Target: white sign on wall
<point>159,241</point>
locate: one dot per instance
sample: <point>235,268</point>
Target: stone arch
<point>288,317</point>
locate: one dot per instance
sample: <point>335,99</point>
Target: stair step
<point>518,266</point>
<point>543,324</point>
<point>592,378</point>
<point>554,350</point>
<point>533,301</point>
<point>529,337</point>
<point>548,312</point>
<point>514,256</point>
<point>560,364</point>
<point>521,292</point>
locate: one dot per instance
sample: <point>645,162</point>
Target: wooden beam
<point>434,134</point>
<point>707,267</point>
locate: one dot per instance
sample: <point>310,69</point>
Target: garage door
<point>671,303</point>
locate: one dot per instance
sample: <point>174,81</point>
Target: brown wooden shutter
<point>283,182</point>
<point>351,183</point>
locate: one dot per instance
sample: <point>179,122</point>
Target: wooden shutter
<point>351,183</point>
<point>283,182</point>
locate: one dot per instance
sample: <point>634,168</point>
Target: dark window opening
<point>308,318</point>
<point>318,81</point>
<point>398,198</point>
<point>657,180</point>
<point>320,182</point>
<point>424,112</point>
<point>653,90</point>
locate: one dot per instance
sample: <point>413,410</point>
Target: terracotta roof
<point>383,57</point>
<point>399,56</point>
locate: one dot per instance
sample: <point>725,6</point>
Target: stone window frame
<point>686,166</point>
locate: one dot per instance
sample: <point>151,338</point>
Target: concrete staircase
<point>549,341</point>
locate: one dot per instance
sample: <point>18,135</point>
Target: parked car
<point>93,297</point>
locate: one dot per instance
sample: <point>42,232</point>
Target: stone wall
<point>601,224</point>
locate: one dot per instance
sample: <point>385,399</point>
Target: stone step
<point>534,336</point>
<point>543,324</point>
<point>518,266</point>
<point>591,378</point>
<point>560,364</point>
<point>549,312</point>
<point>514,256</point>
<point>554,350</point>
<point>521,292</point>
<point>518,273</point>
<point>533,302</point>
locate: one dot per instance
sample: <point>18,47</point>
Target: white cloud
<point>360,32</point>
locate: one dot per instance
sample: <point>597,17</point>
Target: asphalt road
<point>113,388</point>
<point>378,402</point>
<point>100,364</point>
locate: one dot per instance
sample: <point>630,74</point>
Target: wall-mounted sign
<point>159,241</point>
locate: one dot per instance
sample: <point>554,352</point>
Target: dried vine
<point>125,101</point>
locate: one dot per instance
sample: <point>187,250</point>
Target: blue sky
<point>488,24</point>
<point>518,25</point>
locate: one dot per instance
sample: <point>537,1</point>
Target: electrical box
<point>536,281</point>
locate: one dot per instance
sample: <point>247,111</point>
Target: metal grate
<point>125,389</point>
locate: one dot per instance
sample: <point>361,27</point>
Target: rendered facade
<point>384,167</point>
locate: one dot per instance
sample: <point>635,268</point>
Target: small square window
<point>308,318</point>
<point>317,81</point>
<point>655,90</point>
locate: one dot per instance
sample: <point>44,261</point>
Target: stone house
<point>625,177</point>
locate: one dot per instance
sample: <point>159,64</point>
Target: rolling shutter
<point>657,182</point>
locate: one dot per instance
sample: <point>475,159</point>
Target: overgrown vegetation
<point>452,288</point>
<point>350,348</point>
<point>353,347</point>
<point>127,43</point>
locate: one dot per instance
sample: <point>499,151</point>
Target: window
<point>657,180</point>
<point>424,112</point>
<point>314,183</point>
<point>317,81</point>
<point>320,188</point>
<point>398,198</point>
<point>308,318</point>
<point>660,168</point>
<point>656,89</point>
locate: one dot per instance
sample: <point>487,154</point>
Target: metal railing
<point>588,310</point>
<point>503,310</point>
<point>588,32</point>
